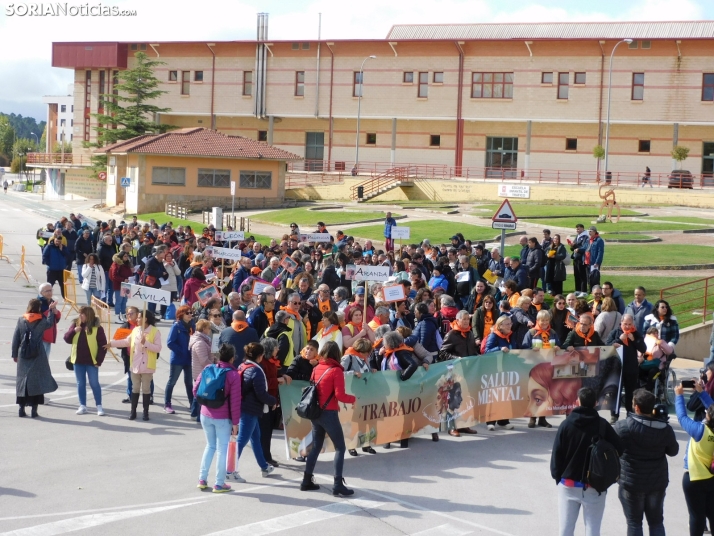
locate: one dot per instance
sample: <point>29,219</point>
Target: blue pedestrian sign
<point>125,182</point>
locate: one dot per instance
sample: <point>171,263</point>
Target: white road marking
<point>88,521</point>
<point>301,518</point>
<point>443,530</point>
<point>71,374</point>
<point>14,391</point>
<point>53,400</point>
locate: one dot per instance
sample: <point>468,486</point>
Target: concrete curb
<point>673,268</point>
<point>689,231</point>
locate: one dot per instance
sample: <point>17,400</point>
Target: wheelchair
<point>664,383</point>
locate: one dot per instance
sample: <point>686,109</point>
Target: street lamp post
<point>359,106</point>
<point>36,138</point>
<point>609,91</point>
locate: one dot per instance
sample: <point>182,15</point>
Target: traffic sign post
<point>503,219</point>
<point>125,182</point>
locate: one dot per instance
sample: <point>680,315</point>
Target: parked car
<point>681,178</point>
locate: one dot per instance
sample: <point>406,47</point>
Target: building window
<point>571,144</point>
<point>296,46</point>
<point>708,87</point>
<point>438,78</point>
<point>546,78</point>
<point>579,78</point>
<point>71,137</point>
<point>185,82</point>
<point>214,178</point>
<point>633,45</point>
<point>492,85</point>
<point>261,180</point>
<point>102,91</point>
<point>173,76</point>
<point>71,122</point>
<point>198,76</point>
<point>408,77</point>
<point>357,78</point>
<point>644,146</point>
<point>134,46</point>
<point>646,44</point>
<point>299,83</point>
<point>72,108</point>
<point>168,176</point>
<point>435,140</point>
<point>63,122</point>
<point>63,108</point>
<point>563,85</point>
<point>423,91</point>
<point>306,46</point>
<point>262,135</point>
<point>371,139</point>
<point>87,102</point>
<point>247,82</point>
<point>638,86</point>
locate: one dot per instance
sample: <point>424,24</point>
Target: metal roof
<point>555,30</point>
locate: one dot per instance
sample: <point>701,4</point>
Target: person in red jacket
<point>120,272</point>
<point>330,390</point>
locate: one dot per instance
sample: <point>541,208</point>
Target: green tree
<point>58,147</point>
<point>7,136</point>
<point>599,152</point>
<point>680,154</point>
<point>43,140</point>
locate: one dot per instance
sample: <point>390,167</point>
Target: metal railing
<point>67,159</point>
<point>523,176</point>
<point>177,211</point>
<point>691,302</point>
<point>304,179</point>
<point>382,180</point>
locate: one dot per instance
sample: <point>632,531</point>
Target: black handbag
<point>309,405</point>
<point>68,363</point>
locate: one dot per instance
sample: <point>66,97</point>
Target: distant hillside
<point>25,125</point>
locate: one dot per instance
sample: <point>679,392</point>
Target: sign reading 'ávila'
<point>151,295</point>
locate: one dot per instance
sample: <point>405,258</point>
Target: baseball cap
<point>515,258</point>
<point>454,238</point>
<point>359,291</point>
<point>255,270</point>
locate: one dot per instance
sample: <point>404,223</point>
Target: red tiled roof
<point>200,142</point>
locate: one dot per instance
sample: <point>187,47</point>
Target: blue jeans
<point>48,348</point>
<point>82,372</point>
<point>218,433</point>
<point>634,505</point>
<point>328,423</point>
<point>119,303</point>
<point>151,307</point>
<point>92,292</point>
<point>79,273</point>
<point>129,385</point>
<point>196,410</point>
<point>109,292</point>
<point>173,378</point>
<point>249,429</point>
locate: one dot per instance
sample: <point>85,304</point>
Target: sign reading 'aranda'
<point>355,272</point>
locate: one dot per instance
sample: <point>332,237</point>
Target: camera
<point>703,374</point>
<point>660,412</point>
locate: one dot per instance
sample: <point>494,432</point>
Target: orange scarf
<point>487,323</point>
<point>352,351</point>
<point>377,343</point>
<point>358,327</point>
<point>464,332</point>
<point>403,346</point>
<point>544,335</point>
<point>324,333</point>
<point>323,305</point>
<point>293,312</point>
<point>32,317</point>
<point>499,334</point>
<point>587,337</point>
<point>239,325</point>
<point>271,317</point>
<point>627,332</point>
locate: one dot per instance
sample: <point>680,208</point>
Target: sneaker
<point>221,489</point>
<point>491,428</point>
<point>266,472</point>
<point>235,476</point>
<point>100,411</point>
<point>126,400</point>
<point>508,426</point>
<point>169,409</point>
<point>82,410</point>
<point>202,484</point>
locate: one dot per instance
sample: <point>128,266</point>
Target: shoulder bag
<point>309,405</point>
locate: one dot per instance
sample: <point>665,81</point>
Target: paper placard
<point>463,277</point>
<point>288,264</point>
<point>152,295</point>
<point>206,294</point>
<point>355,272</point>
<point>121,333</point>
<point>230,236</point>
<point>125,290</point>
<point>400,232</point>
<point>314,237</point>
<point>489,276</point>
<point>47,234</point>
<point>258,287</point>
<point>210,276</point>
<point>92,224</point>
<point>222,253</point>
<point>215,343</point>
<point>393,293</point>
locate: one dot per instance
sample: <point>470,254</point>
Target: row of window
<point>63,108</point>
<point>212,178</point>
<point>643,146</point>
<point>483,85</point>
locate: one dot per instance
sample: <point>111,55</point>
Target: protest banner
<point>223,253</point>
<point>314,237</point>
<point>90,223</point>
<point>149,294</point>
<point>230,236</point>
<point>393,293</point>
<point>461,393</point>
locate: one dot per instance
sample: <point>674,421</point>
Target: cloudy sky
<point>25,41</point>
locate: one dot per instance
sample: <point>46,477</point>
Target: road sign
<point>102,175</point>
<point>233,187</point>
<point>125,182</point>
<point>505,213</point>
<point>503,225</point>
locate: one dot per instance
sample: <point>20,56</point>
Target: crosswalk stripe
<point>443,530</point>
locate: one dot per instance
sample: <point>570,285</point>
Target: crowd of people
<point>310,321</point>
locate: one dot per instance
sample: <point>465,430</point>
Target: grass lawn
<point>161,217</point>
<point>525,210</point>
<point>307,219</point>
<point>624,225</point>
<point>436,231</point>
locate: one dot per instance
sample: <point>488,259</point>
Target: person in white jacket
<point>94,278</point>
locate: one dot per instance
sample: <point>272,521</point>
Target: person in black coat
<point>258,318</point>
<point>106,250</point>
<point>329,274</point>
<point>523,319</point>
<point>83,247</point>
<point>568,463</point>
<point>632,342</point>
<point>644,476</point>
<point>283,334</point>
<point>304,362</point>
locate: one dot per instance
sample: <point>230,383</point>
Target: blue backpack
<point>211,391</point>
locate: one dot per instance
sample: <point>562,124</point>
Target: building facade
<point>60,118</point>
<point>515,97</point>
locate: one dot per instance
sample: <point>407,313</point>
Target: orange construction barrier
<point>21,271</point>
<point>70,292</point>
<point>2,242</point>
<point>105,318</point>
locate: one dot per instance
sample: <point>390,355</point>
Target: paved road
<point>65,473</point>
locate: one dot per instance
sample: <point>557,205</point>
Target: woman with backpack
<point>144,345</point>
<point>221,422</point>
<point>330,379</point>
<point>88,340</point>
<point>34,377</point>
<point>200,347</point>
<point>255,400</point>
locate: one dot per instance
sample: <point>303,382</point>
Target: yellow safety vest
<point>91,342</point>
<point>152,355</point>
<point>699,456</point>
